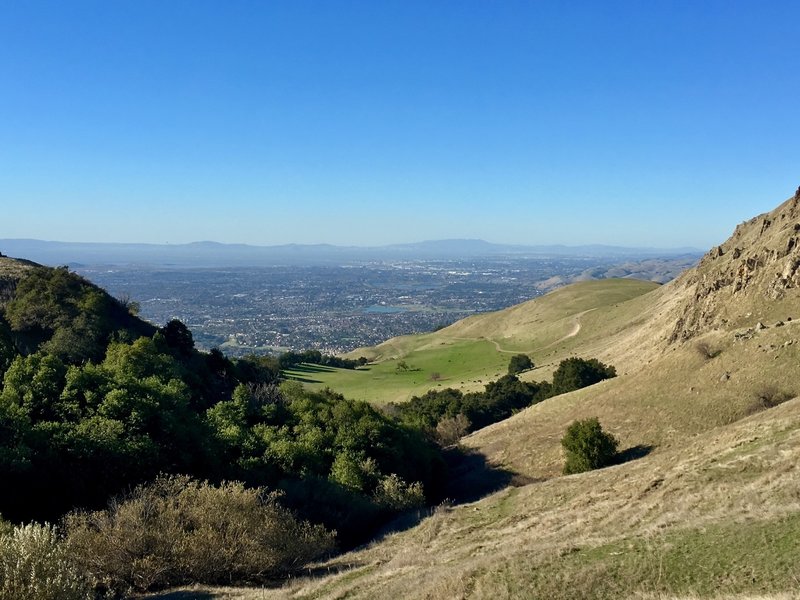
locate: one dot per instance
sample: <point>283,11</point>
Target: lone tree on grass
<point>588,447</point>
<point>519,363</point>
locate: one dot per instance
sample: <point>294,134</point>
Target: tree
<point>451,429</point>
<point>519,363</point>
<point>178,336</point>
<point>587,446</point>
<point>575,373</point>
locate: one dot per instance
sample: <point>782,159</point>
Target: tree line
<point>447,414</point>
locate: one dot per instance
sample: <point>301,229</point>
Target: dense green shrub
<point>291,359</point>
<point>178,530</point>
<point>586,447</point>
<point>292,438</point>
<point>65,315</point>
<point>94,401</point>
<point>436,412</point>
<point>36,565</point>
<point>576,373</point>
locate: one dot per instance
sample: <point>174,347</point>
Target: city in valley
<point>336,308</point>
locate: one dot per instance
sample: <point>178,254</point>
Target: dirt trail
<point>576,328</point>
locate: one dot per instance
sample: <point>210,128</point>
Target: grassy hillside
<point>708,506</point>
<point>714,516</point>
<point>476,350</point>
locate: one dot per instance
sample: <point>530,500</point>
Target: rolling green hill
<point>476,350</point>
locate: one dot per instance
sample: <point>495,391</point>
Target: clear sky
<point>657,123</point>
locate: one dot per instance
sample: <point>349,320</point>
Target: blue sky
<point>628,123</point>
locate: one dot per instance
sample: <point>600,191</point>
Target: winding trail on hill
<point>576,328</point>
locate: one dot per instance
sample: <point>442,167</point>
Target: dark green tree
<point>587,446</point>
<point>519,363</point>
<point>178,336</point>
<point>575,373</point>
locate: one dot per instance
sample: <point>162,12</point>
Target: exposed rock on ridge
<point>755,273</point>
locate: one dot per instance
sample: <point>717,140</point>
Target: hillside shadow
<point>311,368</point>
<point>633,453</point>
<point>470,478</point>
<point>301,379</point>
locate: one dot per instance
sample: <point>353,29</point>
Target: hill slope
<point>752,277</point>
<point>476,350</point>
<point>709,368</point>
<point>717,344</point>
<point>716,516</point>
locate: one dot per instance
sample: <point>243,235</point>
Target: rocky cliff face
<point>753,274</point>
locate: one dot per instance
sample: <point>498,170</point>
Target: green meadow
<point>474,351</point>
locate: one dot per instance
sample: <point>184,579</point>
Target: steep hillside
<point>755,273</point>
<point>717,344</point>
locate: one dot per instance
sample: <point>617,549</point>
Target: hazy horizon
<point>359,123</point>
<point>351,245</point>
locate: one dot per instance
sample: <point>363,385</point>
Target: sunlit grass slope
<point>717,515</point>
<point>476,350</point>
<point>712,516</point>
<point>682,393</point>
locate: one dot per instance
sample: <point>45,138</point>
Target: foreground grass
<point>717,516</point>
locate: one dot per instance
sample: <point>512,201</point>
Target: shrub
<point>768,396</point>
<point>705,350</point>
<point>178,530</point>
<point>35,565</point>
<point>587,447</point>
<point>395,494</point>
<point>575,373</point>
<point>451,429</point>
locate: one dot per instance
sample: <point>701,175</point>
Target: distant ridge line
<point>211,253</point>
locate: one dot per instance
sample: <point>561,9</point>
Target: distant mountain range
<point>215,254</point>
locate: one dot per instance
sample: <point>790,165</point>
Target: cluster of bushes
<point>173,531</point>
<point>446,415</point>
<point>178,530</point>
<point>78,427</point>
<point>341,462</point>
<point>290,359</point>
<point>35,564</point>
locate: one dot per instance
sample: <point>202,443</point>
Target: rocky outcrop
<point>761,260</point>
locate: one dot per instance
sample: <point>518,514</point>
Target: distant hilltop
<point>216,254</point>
